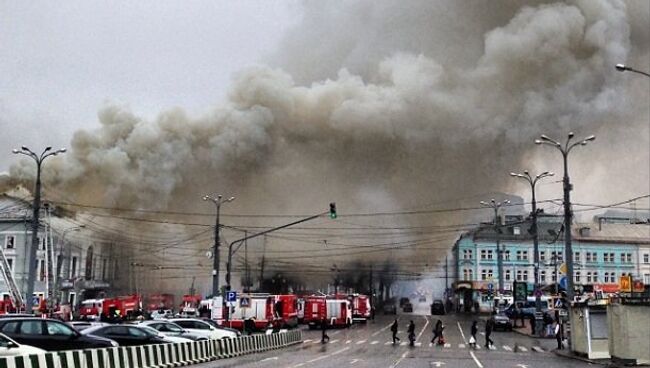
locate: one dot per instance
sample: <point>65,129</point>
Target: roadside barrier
<point>155,356</point>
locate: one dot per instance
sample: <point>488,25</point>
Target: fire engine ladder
<point>16,297</point>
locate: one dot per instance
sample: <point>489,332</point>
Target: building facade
<point>603,251</point>
<point>84,267</point>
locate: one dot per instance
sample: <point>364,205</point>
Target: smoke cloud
<point>390,105</point>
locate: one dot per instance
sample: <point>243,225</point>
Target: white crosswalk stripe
<point>430,344</point>
<point>334,341</point>
<point>538,349</point>
<point>506,347</point>
<point>360,342</point>
<point>349,341</point>
<point>374,342</point>
<point>521,348</point>
<point>307,341</point>
<point>447,345</point>
<point>461,346</point>
<point>403,344</point>
<point>388,342</point>
<point>418,344</point>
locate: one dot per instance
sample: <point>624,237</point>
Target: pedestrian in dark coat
<point>437,333</point>
<point>558,335</point>
<point>393,329</point>
<point>411,333</point>
<point>488,332</point>
<point>473,331</point>
<point>323,327</point>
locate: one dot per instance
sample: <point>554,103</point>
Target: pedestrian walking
<point>393,329</point>
<point>473,331</point>
<point>488,331</point>
<point>411,333</point>
<point>437,333</point>
<point>323,328</point>
<point>558,335</point>
<point>532,324</point>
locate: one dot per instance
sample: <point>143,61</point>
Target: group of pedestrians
<point>437,333</point>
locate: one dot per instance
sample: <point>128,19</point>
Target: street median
<point>156,356</point>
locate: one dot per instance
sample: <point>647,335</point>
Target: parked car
<point>171,329</point>
<point>9,347</point>
<point>422,299</point>
<point>407,307</point>
<point>125,335</point>
<point>161,314</point>
<point>202,328</point>
<point>501,322</point>
<point>438,307</point>
<point>403,301</point>
<point>49,334</point>
<point>168,339</point>
<point>214,324</point>
<point>82,325</point>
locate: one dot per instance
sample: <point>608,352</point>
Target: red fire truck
<point>336,311</point>
<point>190,305</point>
<point>361,309</point>
<point>91,309</point>
<point>160,301</point>
<point>260,308</point>
<point>131,305</point>
<point>286,308</point>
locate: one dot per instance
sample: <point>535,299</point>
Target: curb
<point>604,362</point>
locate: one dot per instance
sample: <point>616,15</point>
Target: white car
<point>166,338</point>
<point>201,328</point>
<point>171,329</point>
<point>9,347</point>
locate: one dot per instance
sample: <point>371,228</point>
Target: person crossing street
<point>393,329</point>
<point>411,333</point>
<point>488,331</point>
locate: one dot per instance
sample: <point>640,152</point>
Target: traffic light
<point>332,210</point>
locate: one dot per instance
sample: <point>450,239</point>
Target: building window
<point>646,278</point>
<point>609,257</point>
<point>524,255</point>
<point>42,242</point>
<point>507,275</point>
<point>483,253</point>
<point>542,256</point>
<point>489,254</point>
<point>483,275</point>
<point>40,267</point>
<point>516,230</point>
<point>588,276</point>
<point>519,255</point>
<point>467,274</point>
<point>104,265</point>
<point>577,276</point>
<point>554,276</point>
<point>612,277</point>
<point>467,254</point>
<point>556,256</point>
<point>506,255</point>
<point>10,263</point>
<point>606,277</point>
<point>518,275</point>
<point>89,263</point>
<point>628,257</point>
<point>595,276</point>
<point>490,275</point>
<point>10,242</point>
<point>576,256</point>
<point>646,258</point>
<point>525,275</point>
<point>73,268</point>
<point>588,257</point>
<point>542,276</point>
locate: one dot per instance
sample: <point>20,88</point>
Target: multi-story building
<point>85,267</point>
<point>603,252</point>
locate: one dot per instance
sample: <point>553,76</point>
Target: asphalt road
<point>370,345</point>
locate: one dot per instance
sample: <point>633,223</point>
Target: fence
<point>155,356</point>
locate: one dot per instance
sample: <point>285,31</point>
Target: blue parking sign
<point>231,296</point>
<point>490,286</point>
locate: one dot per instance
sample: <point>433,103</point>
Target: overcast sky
<point>62,61</point>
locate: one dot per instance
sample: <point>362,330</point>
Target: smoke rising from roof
<point>386,105</point>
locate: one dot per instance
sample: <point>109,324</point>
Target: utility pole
<point>567,187</point>
<point>246,276</point>
<point>218,201</point>
<point>495,206</point>
<point>446,276</point>
<point>36,209</point>
<point>262,263</point>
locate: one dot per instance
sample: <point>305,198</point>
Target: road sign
<point>244,302</point>
<point>521,291</point>
<point>562,268</point>
<point>538,293</point>
<point>231,296</point>
<point>563,282</point>
<point>490,286</point>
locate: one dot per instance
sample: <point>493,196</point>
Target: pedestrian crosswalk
<point>447,346</point>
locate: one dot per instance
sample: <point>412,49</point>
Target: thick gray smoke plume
<point>382,105</point>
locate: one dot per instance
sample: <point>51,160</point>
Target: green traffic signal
<point>332,210</point>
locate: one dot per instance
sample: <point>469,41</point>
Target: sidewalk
<point>566,353</point>
<point>527,332</point>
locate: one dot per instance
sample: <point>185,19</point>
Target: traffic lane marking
<point>461,331</point>
<point>423,328</point>
<point>478,363</point>
<point>360,342</point>
<point>318,358</point>
<point>400,359</point>
<point>268,359</point>
<point>340,351</point>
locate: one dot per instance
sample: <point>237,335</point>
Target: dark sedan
<point>437,307</point>
<point>501,322</point>
<point>125,335</point>
<point>49,334</point>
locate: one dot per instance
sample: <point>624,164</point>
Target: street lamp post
<point>625,68</point>
<point>336,272</point>
<point>218,201</point>
<point>533,181</point>
<point>495,206</point>
<point>36,208</point>
<point>567,187</point>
